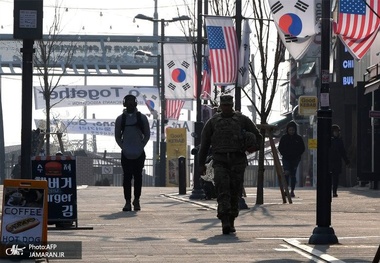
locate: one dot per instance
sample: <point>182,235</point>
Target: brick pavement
<point>173,228</point>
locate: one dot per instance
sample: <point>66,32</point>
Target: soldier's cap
<point>335,127</point>
<point>226,100</point>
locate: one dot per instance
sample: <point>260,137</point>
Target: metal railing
<point>114,176</point>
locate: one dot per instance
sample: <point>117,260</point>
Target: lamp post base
<point>323,236</point>
<point>157,179</point>
<point>162,163</point>
<point>197,194</point>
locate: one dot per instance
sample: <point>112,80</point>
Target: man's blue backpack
<point>139,122</point>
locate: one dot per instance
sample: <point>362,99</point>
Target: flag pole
<point>197,192</point>
<point>239,19</point>
<point>324,233</point>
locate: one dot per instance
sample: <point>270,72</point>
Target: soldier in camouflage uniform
<point>227,133</point>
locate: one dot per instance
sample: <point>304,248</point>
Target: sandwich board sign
<point>24,217</point>
<point>60,174</point>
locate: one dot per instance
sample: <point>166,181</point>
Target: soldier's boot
<point>232,224</point>
<point>226,226</point>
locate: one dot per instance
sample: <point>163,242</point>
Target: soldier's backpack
<point>226,133</point>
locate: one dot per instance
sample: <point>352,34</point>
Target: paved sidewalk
<point>173,228</point>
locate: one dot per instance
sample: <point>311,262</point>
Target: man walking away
<point>132,133</point>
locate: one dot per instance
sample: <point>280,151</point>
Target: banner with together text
<point>106,127</point>
<point>70,96</point>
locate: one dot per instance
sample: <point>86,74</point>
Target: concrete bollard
<point>182,175</point>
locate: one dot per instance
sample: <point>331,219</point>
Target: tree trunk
<point>47,135</point>
<point>260,173</point>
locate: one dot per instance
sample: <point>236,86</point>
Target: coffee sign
<point>24,216</point>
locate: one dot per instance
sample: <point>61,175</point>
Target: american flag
<point>173,108</point>
<point>358,25</point>
<point>223,46</point>
<point>206,80</point>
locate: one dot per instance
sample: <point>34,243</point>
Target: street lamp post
<point>163,110</point>
<point>162,89</point>
<point>197,192</point>
<point>156,150</point>
<point>157,178</point>
<point>157,181</point>
<point>324,233</point>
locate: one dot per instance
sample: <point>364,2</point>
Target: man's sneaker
<point>127,207</point>
<point>136,205</point>
<point>292,194</point>
<point>335,195</point>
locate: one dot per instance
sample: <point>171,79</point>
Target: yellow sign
<point>176,147</point>
<point>312,144</point>
<point>308,105</point>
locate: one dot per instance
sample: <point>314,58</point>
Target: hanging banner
<point>176,147</point>
<point>358,24</point>
<point>179,71</point>
<point>71,96</point>
<point>173,109</point>
<point>295,23</point>
<point>106,127</point>
<point>244,53</point>
<point>223,48</point>
<point>206,76</point>
<point>314,50</point>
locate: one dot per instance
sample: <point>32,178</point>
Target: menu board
<point>60,174</point>
<point>24,215</point>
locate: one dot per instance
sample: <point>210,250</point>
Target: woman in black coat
<point>337,153</point>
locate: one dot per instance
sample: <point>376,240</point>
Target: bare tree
<point>223,7</point>
<point>51,60</point>
<point>266,78</point>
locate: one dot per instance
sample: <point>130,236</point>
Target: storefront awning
<point>372,86</point>
<point>281,125</point>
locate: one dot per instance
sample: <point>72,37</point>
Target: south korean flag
<point>296,24</point>
<point>179,77</point>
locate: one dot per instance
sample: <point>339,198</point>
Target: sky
<point>111,17</point>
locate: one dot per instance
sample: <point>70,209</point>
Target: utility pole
<point>197,192</point>
<point>28,17</point>
<point>239,19</point>
<point>162,88</point>
<point>2,144</point>
<point>324,233</point>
